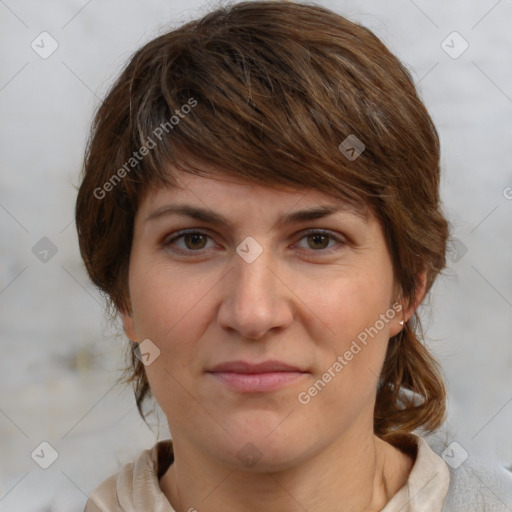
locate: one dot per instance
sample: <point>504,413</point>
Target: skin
<point>302,301</point>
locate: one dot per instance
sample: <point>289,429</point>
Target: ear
<point>408,309</point>
<point>418,298</point>
<point>129,325</point>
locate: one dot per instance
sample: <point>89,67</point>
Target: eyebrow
<point>211,217</point>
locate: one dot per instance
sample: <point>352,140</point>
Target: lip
<point>261,377</point>
<point>268,366</point>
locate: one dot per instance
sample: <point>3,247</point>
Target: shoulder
<point>135,484</point>
<point>104,497</point>
<point>475,485</point>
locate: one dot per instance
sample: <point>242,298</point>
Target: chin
<point>259,445</point>
<point>264,456</point>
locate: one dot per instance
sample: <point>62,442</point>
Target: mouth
<point>262,377</point>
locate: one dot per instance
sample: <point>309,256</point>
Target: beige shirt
<point>136,488</point>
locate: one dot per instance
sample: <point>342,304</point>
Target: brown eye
<point>188,242</point>
<point>320,241</point>
<point>194,240</point>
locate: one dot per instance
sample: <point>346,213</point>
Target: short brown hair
<point>273,88</point>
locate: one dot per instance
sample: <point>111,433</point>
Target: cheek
<point>170,308</point>
<point>356,313</point>
<point>164,299</point>
<point>350,304</point>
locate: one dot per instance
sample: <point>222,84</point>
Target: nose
<point>256,298</point>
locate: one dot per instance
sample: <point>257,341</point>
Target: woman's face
<point>308,298</point>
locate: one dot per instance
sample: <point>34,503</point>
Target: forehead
<point>219,190</point>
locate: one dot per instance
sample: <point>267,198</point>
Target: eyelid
<point>312,231</point>
<point>302,234</point>
<point>167,240</point>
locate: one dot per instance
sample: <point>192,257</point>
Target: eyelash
<point>181,234</point>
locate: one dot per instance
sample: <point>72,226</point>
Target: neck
<point>350,476</point>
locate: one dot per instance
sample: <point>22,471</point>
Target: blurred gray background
<point>60,356</point>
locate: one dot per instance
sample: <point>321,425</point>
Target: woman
<point>260,203</point>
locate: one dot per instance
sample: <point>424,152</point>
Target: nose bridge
<point>253,302</point>
<point>254,279</point>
